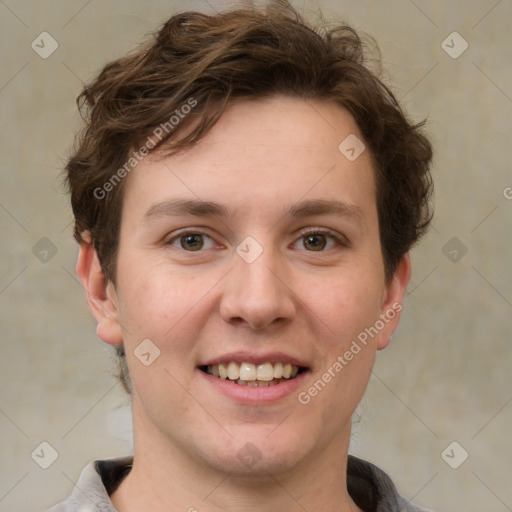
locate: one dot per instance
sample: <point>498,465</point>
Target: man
<point>245,196</point>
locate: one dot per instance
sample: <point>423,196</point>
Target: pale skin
<point>270,170</point>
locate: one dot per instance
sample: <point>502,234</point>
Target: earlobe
<point>100,293</point>
<point>392,301</point>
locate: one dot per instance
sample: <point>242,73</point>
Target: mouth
<point>254,375</point>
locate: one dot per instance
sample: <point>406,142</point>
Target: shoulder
<point>96,481</point>
<point>373,490</point>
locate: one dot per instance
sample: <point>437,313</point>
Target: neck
<point>166,478</point>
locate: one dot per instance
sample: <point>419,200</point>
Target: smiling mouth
<point>254,375</point>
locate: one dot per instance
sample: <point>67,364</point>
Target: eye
<point>192,241</point>
<point>315,242</point>
<point>318,240</point>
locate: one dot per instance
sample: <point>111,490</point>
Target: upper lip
<point>252,357</point>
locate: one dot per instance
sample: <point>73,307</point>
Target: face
<point>254,255</point>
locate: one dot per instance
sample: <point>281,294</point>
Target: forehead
<point>282,148</point>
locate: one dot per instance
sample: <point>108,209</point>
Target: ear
<point>101,295</point>
<point>392,301</point>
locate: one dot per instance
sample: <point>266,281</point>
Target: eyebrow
<point>326,207</point>
<point>176,207</point>
<point>200,208</point>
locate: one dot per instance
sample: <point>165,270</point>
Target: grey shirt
<point>369,487</point>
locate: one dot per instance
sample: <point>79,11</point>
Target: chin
<point>256,454</point>
<point>255,465</point>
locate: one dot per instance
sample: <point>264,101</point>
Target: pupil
<point>315,242</point>
<point>192,242</point>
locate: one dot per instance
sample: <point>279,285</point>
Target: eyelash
<point>338,240</point>
<point>189,232</point>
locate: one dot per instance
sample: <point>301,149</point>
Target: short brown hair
<point>236,55</point>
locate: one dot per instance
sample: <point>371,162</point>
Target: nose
<point>256,294</point>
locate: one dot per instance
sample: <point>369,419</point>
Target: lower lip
<point>255,394</point>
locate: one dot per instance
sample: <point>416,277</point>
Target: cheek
<point>346,302</point>
<point>165,306</point>
<point>159,319</point>
<point>149,293</point>
<point>144,309</point>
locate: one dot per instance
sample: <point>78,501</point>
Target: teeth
<point>258,383</point>
<point>233,371</point>
<point>265,372</point>
<point>278,370</point>
<point>248,374</point>
<point>247,371</point>
<point>223,371</point>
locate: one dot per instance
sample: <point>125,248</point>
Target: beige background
<point>447,376</point>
